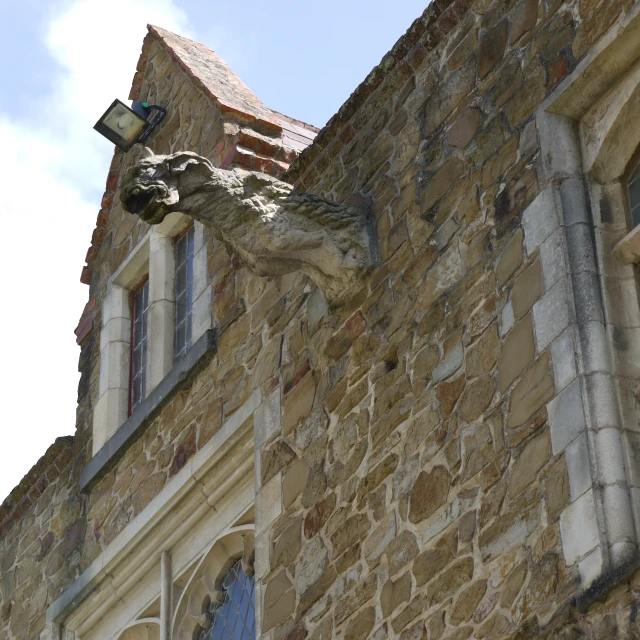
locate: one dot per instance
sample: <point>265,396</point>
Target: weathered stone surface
<point>518,351</point>
<point>297,405</point>
<point>534,389</point>
<point>456,575</point>
<point>341,342</point>
<point>531,459</point>
<point>407,481</point>
<point>354,529</point>
<point>467,602</point>
<point>450,172</point>
<point>361,625</point>
<point>279,601</point>
<point>275,458</point>
<point>526,289</point>
<point>318,515</point>
<point>429,493</point>
<point>394,593</point>
<point>510,258</point>
<point>464,129</point>
<point>523,19</point>
<point>294,481</point>
<point>401,551</point>
<point>448,393</point>
<point>381,537</point>
<point>492,47</point>
<point>482,356</point>
<point>476,398</point>
<point>288,545</point>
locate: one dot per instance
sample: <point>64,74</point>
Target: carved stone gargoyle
<point>270,226</point>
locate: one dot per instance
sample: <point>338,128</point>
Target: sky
<point>63,63</point>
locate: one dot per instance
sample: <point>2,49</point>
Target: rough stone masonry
<point>451,451</point>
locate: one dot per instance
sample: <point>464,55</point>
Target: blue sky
<point>64,61</point>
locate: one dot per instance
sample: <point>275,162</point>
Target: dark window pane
<point>139,345</point>
<point>184,292</point>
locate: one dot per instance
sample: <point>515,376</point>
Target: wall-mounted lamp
<point>126,126</point>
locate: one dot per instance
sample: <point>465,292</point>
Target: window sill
<point>627,250</point>
<point>180,376</point>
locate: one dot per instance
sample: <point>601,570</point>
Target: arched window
<point>634,196</point>
<point>233,617</point>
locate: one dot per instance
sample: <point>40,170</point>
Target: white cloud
<point>53,167</point>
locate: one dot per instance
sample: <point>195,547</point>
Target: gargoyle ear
<point>147,153</point>
<point>178,162</point>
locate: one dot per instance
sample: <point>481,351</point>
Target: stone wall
<point>420,497</point>
<point>41,537</point>
<point>406,486</point>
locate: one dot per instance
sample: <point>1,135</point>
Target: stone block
<point>294,482</point>
<point>566,417</point>
<point>395,593</point>
<point>507,319</point>
<point>579,528</point>
<point>529,462</point>
<point>476,398</point>
<point>510,258</point>
<point>341,342</point>
<point>523,19</point>
<point>449,364</point>
<point>279,601</point>
<point>467,602</point>
<point>401,551</point>
<point>540,219</point>
<point>531,393</point>
<point>377,542</point>
<point>482,356</point>
<point>591,568</point>
<point>578,467</point>
<point>602,401</point>
<point>429,493</point>
<point>464,128</point>
<point>551,315</point>
<point>517,352</point>
<point>298,403</point>
<point>267,419</point>
<point>526,290</point>
<point>446,176</point>
<point>491,48</point>
<point>563,360</point>
<point>269,503</point>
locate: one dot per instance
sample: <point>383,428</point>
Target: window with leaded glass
<point>184,292</point>
<point>233,617</point>
<point>634,196</point>
<point>140,309</point>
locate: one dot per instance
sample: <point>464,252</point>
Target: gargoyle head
<point>151,188</point>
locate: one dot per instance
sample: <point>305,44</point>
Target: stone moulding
<point>270,226</point>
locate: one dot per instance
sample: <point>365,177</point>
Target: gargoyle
<point>270,226</point>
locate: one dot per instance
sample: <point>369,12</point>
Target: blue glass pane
<point>234,617</point>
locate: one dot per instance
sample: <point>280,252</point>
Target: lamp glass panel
<point>125,122</point>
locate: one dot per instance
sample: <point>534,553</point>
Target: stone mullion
<point>267,423</point>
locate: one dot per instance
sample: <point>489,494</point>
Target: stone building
<point>412,413</point>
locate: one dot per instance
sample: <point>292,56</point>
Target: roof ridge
<point>215,77</point>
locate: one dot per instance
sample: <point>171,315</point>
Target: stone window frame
<point>187,614</point>
<point>191,616</point>
<point>579,224</point>
<point>154,255</point>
